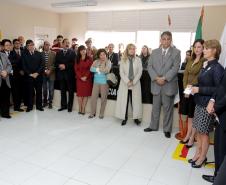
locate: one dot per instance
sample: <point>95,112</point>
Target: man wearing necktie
<point>64,63</point>
<point>33,67</point>
<point>163,66</point>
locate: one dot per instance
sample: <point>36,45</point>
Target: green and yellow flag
<point>198,34</point>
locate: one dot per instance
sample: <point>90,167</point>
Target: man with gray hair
<point>163,66</point>
<point>49,75</point>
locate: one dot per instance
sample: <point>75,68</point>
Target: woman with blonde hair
<point>129,87</point>
<point>208,81</point>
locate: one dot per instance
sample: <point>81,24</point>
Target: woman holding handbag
<point>100,68</point>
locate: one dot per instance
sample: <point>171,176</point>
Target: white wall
<point>20,20</point>
<point>74,25</point>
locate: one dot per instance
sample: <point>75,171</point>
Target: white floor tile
<point>94,174</point>
<point>171,175</point>
<point>46,177</point>
<point>19,172</point>
<point>122,178</point>
<point>73,182</point>
<point>67,166</point>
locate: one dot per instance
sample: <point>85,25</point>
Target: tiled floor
<point>60,148</point>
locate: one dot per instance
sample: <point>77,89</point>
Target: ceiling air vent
<point>78,3</point>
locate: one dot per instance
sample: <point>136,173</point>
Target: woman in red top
<point>83,78</point>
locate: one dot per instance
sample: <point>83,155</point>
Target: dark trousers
<point>4,98</point>
<point>219,146</point>
<point>17,90</point>
<point>129,99</point>
<point>64,86</point>
<point>34,86</point>
<point>48,89</point>
<point>221,177</point>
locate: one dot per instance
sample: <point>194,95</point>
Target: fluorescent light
<point>77,3</point>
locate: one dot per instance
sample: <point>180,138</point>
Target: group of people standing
<point>204,100</point>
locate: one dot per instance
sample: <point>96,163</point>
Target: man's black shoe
<point>61,109</point>
<point>208,178</point>
<point>149,130</point>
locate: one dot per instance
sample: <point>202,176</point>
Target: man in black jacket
<point>33,67</point>
<point>217,106</point>
<point>65,60</point>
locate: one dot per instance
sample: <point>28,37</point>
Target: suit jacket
<point>191,72</point>
<point>113,58</point>
<point>208,81</point>
<point>168,69</point>
<point>220,101</point>
<point>16,62</point>
<point>68,60</point>
<point>51,63</point>
<point>5,65</point>
<point>32,63</point>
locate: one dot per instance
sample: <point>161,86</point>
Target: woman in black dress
<point>145,78</point>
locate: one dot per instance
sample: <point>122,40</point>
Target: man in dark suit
<point>14,57</point>
<point>65,60</point>
<point>221,177</point>
<point>33,67</point>
<point>163,67</point>
<point>112,56</point>
<point>217,105</point>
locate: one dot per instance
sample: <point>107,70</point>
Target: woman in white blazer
<point>129,88</point>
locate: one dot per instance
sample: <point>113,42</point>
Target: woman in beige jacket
<point>129,88</point>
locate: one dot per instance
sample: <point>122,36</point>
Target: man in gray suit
<point>163,66</point>
<point>5,70</point>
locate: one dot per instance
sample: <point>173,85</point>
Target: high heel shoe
<point>184,142</point>
<point>91,116</point>
<point>194,165</point>
<point>123,122</point>
<point>189,146</point>
<point>191,161</point>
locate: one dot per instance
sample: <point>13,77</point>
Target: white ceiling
<point>111,5</point>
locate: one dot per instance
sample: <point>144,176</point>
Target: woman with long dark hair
<point>187,106</point>
<point>145,79</point>
<point>83,78</point>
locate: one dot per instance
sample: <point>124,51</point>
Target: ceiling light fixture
<point>77,3</point>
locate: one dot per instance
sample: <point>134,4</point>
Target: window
<point>149,38</point>
<point>102,39</point>
<point>181,40</point>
